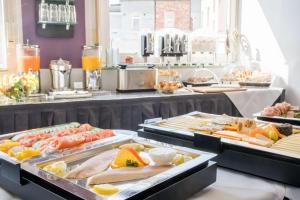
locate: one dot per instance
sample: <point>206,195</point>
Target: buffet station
<point>68,118</point>
<point>260,148</point>
<point>142,90</point>
<point>78,161</point>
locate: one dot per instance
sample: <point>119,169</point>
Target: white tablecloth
<point>232,185</point>
<point>254,100</point>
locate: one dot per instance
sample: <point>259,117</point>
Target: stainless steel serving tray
<point>128,189</point>
<point>254,84</point>
<point>278,119</point>
<point>190,135</point>
<point>6,157</point>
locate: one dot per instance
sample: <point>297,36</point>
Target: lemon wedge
<point>105,189</point>
<point>178,159</point>
<point>57,168</point>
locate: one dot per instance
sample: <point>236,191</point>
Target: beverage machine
<point>173,45</point>
<point>147,46</point>
<point>28,63</point>
<point>92,65</point>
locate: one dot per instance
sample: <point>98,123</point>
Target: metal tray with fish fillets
<point>137,189</point>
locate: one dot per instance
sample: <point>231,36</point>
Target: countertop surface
<point>104,96</point>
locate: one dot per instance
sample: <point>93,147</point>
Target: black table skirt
<point>116,114</point>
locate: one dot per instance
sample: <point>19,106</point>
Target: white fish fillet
<point>92,166</point>
<point>126,174</point>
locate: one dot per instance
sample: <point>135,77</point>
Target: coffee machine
<point>147,46</point>
<point>175,45</point>
<point>91,66</point>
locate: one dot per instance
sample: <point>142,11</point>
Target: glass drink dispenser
<point>92,65</point>
<point>28,62</point>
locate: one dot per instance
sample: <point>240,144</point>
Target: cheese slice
<point>230,135</point>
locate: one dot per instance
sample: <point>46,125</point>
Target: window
<point>263,47</point>
<point>130,18</point>
<point>3,53</point>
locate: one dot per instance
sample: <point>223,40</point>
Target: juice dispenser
<point>92,65</point>
<point>28,62</point>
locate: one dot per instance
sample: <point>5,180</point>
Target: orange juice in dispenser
<point>91,66</point>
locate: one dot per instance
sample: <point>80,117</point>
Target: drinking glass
<point>73,17</point>
<point>53,13</point>
<point>43,12</point>
<point>62,11</point>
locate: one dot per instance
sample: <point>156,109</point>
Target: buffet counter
<point>112,110</point>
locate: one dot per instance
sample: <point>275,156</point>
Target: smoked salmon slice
<point>69,141</point>
<point>29,140</point>
<point>45,130</point>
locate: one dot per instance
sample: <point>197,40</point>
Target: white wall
<point>283,17</point>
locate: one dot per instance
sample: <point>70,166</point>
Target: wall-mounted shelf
<point>58,1</point>
<point>57,28</point>
<point>45,23</point>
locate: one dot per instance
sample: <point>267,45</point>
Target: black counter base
<point>111,114</point>
<point>278,168</point>
<point>29,191</point>
<point>188,186</point>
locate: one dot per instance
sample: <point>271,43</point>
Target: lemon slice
<point>178,159</point>
<point>58,168</point>
<point>105,189</point>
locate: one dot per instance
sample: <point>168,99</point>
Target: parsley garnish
<point>131,163</point>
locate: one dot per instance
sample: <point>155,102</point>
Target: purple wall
<point>54,48</point>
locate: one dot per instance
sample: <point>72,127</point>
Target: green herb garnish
<point>297,115</point>
<point>131,163</point>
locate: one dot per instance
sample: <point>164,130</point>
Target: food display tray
<point>217,89</point>
<point>177,183</point>
<point>240,156</point>
<point>186,84</point>
<point>278,119</point>
<point>254,84</point>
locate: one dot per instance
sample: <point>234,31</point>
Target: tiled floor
<point>6,196</point>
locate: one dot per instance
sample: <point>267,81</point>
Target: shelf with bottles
<point>45,23</point>
<point>56,13</point>
<point>59,1</point>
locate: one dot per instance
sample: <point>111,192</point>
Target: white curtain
<point>3,45</point>
<point>104,25</point>
<point>11,33</point>
<point>97,23</point>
